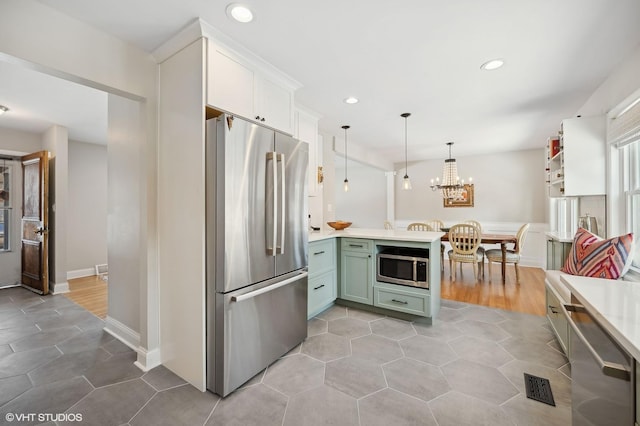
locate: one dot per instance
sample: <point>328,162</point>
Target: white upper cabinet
<point>230,83</point>
<point>576,160</point>
<point>273,105</point>
<point>239,87</point>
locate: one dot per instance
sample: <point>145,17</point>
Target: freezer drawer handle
<point>319,287</point>
<point>318,252</point>
<point>611,369</point>
<point>267,289</point>
<point>403,302</point>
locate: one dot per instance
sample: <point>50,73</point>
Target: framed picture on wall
<point>465,200</point>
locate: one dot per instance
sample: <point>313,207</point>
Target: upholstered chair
<point>512,256</point>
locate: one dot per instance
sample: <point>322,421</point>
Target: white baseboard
<point>123,333</point>
<point>80,273</point>
<point>59,288</point>
<point>147,359</point>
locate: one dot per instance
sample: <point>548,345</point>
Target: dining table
<point>502,239</point>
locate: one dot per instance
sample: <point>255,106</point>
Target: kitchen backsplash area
<point>595,207</point>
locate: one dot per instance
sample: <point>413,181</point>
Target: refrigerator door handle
<point>269,288</point>
<point>272,250</point>
<point>280,247</point>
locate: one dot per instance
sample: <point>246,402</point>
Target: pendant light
<point>346,181</point>
<point>406,182</point>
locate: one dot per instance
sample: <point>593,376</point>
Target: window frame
<point>623,173</point>
<point>7,207</point>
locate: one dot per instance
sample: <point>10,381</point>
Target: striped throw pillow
<point>591,256</point>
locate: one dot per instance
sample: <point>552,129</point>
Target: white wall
<point>620,85</point>
<point>87,212</point>
<point>56,141</point>
<point>509,187</point>
<point>366,202</point>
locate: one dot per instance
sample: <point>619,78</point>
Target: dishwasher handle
<point>268,288</point>
<point>611,369</point>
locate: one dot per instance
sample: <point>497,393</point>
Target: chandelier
<point>452,187</point>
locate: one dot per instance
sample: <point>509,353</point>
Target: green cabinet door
<point>557,253</point>
<point>356,277</point>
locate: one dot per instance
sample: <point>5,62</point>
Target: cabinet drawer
<point>356,244</point>
<point>322,257</point>
<point>557,320</point>
<point>322,291</point>
<point>401,300</point>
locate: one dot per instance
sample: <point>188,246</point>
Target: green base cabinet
<point>557,253</point>
<point>557,319</point>
<point>356,270</point>
<point>410,300</point>
<point>322,290</point>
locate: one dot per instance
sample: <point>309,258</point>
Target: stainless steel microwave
<point>404,266</point>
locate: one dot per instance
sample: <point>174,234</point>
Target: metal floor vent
<point>538,389</point>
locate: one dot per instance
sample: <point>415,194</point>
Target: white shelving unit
<point>578,166</point>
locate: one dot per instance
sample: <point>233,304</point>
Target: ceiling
<point>417,56</point>
<point>37,101</point>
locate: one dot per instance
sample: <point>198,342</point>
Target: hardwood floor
<point>527,297</point>
<point>90,293</point>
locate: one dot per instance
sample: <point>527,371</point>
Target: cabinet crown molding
<point>198,28</point>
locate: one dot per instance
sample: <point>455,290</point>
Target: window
<point>631,182</point>
<point>623,135</point>
<point>5,206</point>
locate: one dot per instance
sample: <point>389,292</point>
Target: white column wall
<point>87,214</point>
<point>56,141</point>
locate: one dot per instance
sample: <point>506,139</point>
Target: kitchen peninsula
<point>343,268</point>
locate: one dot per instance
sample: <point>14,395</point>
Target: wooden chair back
<point>435,224</point>
<point>521,236</point>
<point>464,238</point>
<point>419,226</point>
<point>474,223</point>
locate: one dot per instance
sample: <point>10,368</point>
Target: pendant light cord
<point>406,168</point>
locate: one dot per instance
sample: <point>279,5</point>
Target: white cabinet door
<point>230,84</point>
<point>307,131</point>
<point>273,105</point>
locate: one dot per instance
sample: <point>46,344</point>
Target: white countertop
<point>615,304</point>
<point>563,237</point>
<point>378,234</point>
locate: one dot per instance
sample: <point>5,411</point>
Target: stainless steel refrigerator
<point>256,249</point>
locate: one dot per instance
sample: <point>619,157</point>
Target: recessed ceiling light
<point>239,12</point>
<point>3,109</point>
<point>351,100</point>
<point>492,64</point>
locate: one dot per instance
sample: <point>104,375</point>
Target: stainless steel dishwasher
<point>602,373</point>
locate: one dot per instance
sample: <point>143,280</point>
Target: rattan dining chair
<point>419,226</point>
<point>511,256</point>
<point>465,240</point>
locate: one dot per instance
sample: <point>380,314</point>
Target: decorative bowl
<point>339,225</point>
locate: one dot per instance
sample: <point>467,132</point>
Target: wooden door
<point>35,226</point>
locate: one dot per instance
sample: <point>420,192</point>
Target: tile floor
<point>355,368</point>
